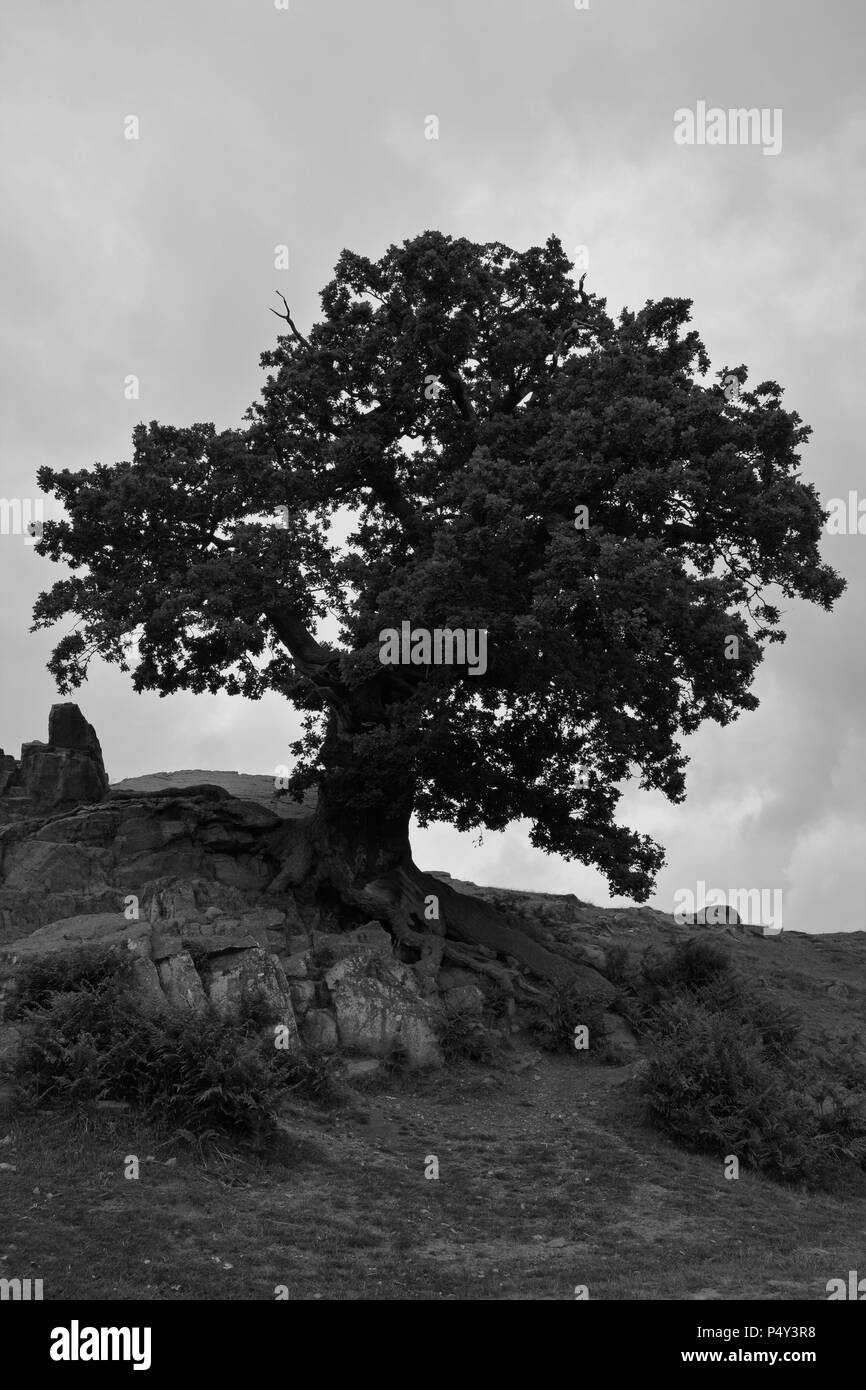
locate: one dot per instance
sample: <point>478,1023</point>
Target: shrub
<point>464,1037</point>
<point>85,1038</point>
<point>315,1074</point>
<point>551,1020</point>
<point>620,968</point>
<point>692,965</point>
<point>89,970</point>
<point>730,1074</point>
<point>257,1012</point>
<point>497,999</point>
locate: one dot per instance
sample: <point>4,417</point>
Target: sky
<point>304,127</point>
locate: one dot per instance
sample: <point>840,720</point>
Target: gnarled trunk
<point>366,858</point>
<point>358,846</point>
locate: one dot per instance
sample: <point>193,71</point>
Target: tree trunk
<point>363,812</point>
<point>366,858</point>
<point>365,845</point>
<point>357,846</point>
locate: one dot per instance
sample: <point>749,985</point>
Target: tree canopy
<point>461,401</point>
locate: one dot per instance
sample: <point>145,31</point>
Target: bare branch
<point>287,317</point>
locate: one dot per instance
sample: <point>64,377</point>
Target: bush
<point>731,1075</point>
<point>315,1074</point>
<point>551,1021</point>
<point>620,969</point>
<point>464,1037</point>
<point>692,965</point>
<point>85,1039</point>
<point>89,970</point>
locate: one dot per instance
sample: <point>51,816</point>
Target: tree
<point>465,402</point>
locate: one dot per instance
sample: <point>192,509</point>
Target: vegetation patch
<point>551,1021</point>
<point>86,1041</point>
<point>465,1037</point>
<point>731,1073</point>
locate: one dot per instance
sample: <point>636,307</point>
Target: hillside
<point>549,1176</point>
<point>821,974</point>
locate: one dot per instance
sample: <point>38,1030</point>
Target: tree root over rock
<point>466,930</point>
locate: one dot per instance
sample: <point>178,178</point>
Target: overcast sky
<point>305,127</point>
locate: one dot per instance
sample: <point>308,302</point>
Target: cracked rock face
<point>173,968</point>
<point>368,1002</point>
<point>378,1007</point>
<point>176,853</point>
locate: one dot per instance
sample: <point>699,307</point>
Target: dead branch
<point>287,317</point>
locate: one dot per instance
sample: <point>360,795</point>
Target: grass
<point>548,1180</point>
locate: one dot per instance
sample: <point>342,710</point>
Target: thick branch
<point>456,384</point>
<point>310,657</point>
<point>383,483</point>
<point>511,398</point>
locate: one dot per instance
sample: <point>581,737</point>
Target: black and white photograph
<point>432,814</point>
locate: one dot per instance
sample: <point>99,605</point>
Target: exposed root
<point>474,921</point>
<point>426,915</point>
<point>403,898</point>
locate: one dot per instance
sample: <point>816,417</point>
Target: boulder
<point>36,867</point>
<point>303,995</point>
<point>54,779</point>
<point>105,929</point>
<point>369,940</point>
<point>181,982</point>
<point>715,915</point>
<point>147,986</point>
<point>296,966</point>
<point>619,1035</point>
<point>319,1030</point>
<point>233,978</point>
<point>463,999</point>
<point>378,1007</point>
<point>67,728</point>
<point>158,847</point>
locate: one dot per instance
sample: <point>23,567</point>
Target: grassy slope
<point>548,1179</point>
<point>548,1176</point>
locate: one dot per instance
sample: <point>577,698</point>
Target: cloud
<point>306,128</point>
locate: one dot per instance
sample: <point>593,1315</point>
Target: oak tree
<point>511,459</point>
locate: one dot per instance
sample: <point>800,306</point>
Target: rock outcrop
<point>59,775</point>
<point>715,915</point>
<point>357,997</point>
<point>203,886</point>
<point>176,852</point>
